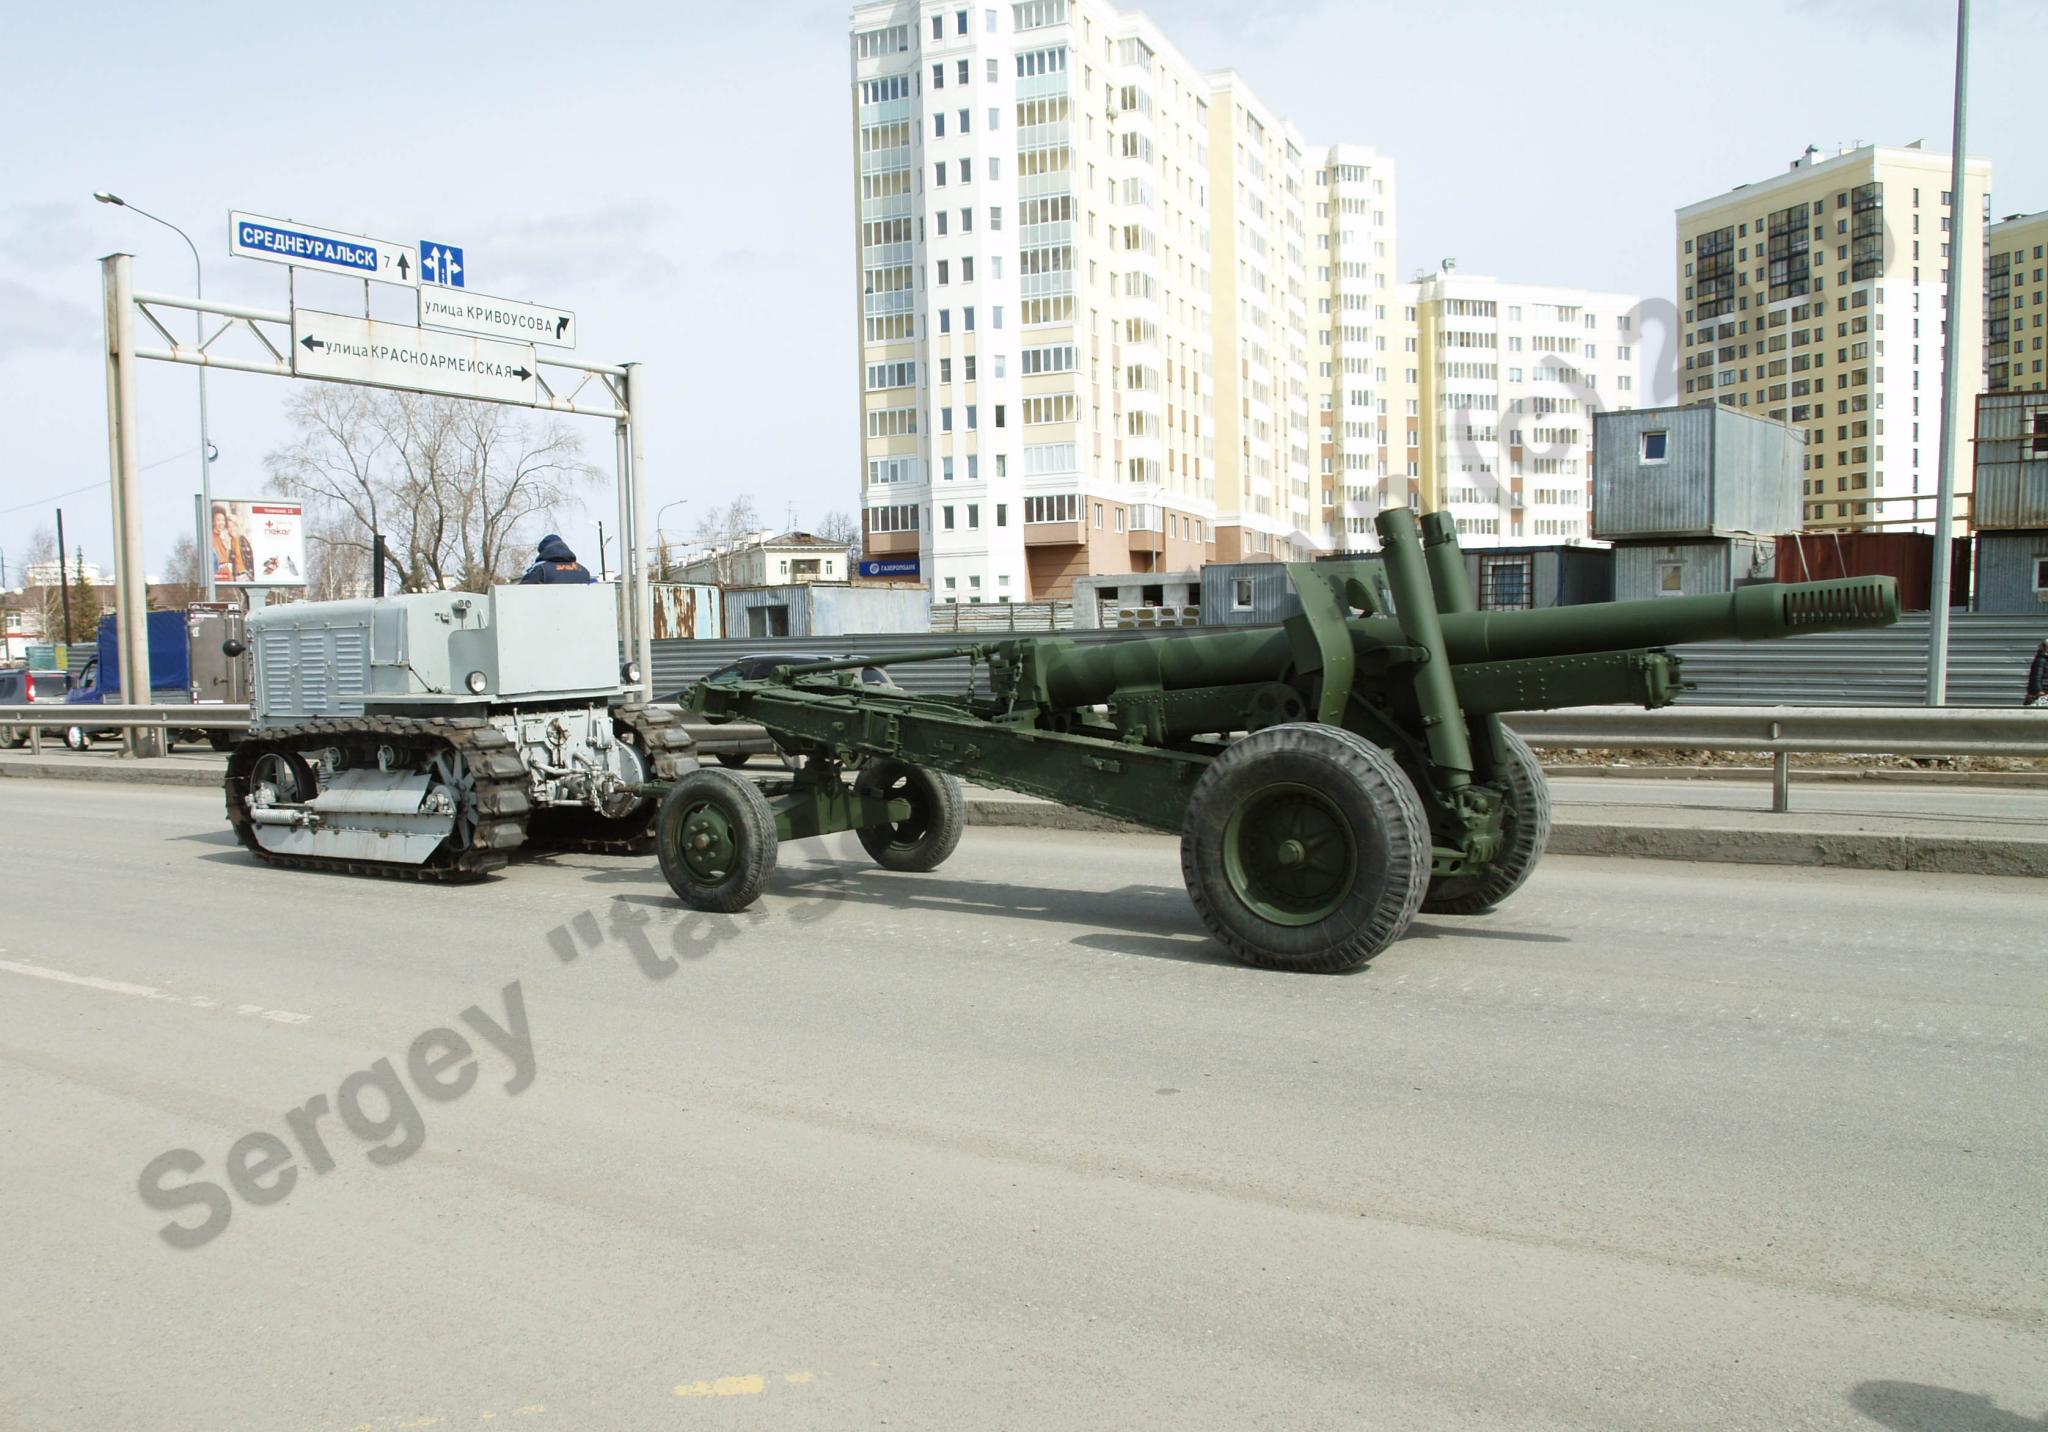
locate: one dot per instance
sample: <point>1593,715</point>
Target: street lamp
<point>602,575</point>
<point>202,536</point>
<point>662,537</point>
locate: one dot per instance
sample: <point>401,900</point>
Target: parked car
<point>755,668</point>
<point>22,687</point>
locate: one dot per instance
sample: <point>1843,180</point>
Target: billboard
<point>257,543</point>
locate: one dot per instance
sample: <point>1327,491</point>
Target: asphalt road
<point>1008,1146</point>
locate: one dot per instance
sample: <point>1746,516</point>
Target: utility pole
<point>1959,254</point>
<point>63,582</point>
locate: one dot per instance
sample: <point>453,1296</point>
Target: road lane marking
<point>141,991</point>
<point>747,1386</point>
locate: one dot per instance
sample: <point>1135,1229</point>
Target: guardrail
<point>1780,731</point>
<point>40,720</point>
<point>1786,731</point>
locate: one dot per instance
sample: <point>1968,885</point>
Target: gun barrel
<point>1747,614</point>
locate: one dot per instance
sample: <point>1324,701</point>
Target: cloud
<point>35,320</point>
<point>45,236</point>
<point>616,242</point>
<point>1913,17</point>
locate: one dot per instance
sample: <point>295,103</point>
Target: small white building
<point>768,560</point>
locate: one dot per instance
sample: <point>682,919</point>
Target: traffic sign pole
<point>117,290</point>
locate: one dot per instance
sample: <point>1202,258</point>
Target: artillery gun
<point>1372,777</point>
<point>430,735</point>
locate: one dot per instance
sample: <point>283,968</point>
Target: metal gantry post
<point>1959,216</point>
<point>131,597</point>
<point>632,534</point>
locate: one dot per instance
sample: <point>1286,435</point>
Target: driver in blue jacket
<point>556,563</point>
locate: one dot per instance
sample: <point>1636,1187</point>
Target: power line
<point>90,486</point>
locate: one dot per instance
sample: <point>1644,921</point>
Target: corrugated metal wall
<point>2005,573</point>
<point>1273,598</point>
<point>1674,496</point>
<point>2011,479</point>
<point>1725,472</point>
<point>1704,567</point>
<point>1988,660</point>
<point>1758,466</point>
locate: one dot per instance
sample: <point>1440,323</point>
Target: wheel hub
<point>708,846</point>
<point>1290,855</point>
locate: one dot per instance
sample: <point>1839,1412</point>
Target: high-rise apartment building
<point>1040,192</point>
<point>1508,377</point>
<point>1815,296</point>
<point>2016,304</point>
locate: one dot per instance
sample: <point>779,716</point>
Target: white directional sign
<point>280,241</point>
<point>395,355</point>
<point>497,317</point>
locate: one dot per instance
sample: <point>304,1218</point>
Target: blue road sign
<point>890,567</point>
<point>440,263</point>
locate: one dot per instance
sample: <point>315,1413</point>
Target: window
<point>943,271</point>
<point>1507,583</point>
<point>938,27</point>
<point>960,25</point>
<point>938,76</point>
<point>2041,574</point>
<point>940,181</point>
<point>1003,520</point>
<point>967,171</point>
<point>1241,594</point>
<point>1656,444</point>
<point>967,319</point>
<point>946,518</point>
<point>963,72</point>
<point>893,519</point>
<point>939,125</point>
<point>1065,507</point>
<point>963,122</point>
<point>946,469</point>
<point>1670,577</point>
<point>999,415</point>
<point>945,370</point>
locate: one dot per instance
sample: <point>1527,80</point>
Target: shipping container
<point>2012,573</point>
<point>2011,477</point>
<point>689,611</point>
<point>825,609</point>
<point>1692,569</point>
<point>1693,472</point>
<point>1246,594</point>
<point>1524,578</point>
<point>1908,556</point>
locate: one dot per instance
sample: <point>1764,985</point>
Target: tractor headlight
<point>478,683</point>
<point>630,673</point>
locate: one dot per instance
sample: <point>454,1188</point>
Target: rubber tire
<point>77,738</point>
<point>1525,822</point>
<point>1376,800</point>
<point>732,760</point>
<point>740,801</point>
<point>935,799</point>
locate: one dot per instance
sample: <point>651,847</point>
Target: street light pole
<point>662,537</point>
<point>203,536</point>
<point>1959,215</point>
<point>601,574</point>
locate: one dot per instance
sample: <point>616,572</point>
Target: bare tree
<point>720,530</point>
<point>839,527</point>
<point>184,578</point>
<point>454,486</point>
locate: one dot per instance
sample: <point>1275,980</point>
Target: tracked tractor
<point>429,736</point>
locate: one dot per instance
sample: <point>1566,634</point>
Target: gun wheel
<point>1305,849</point>
<point>1525,827</point>
<point>717,840</point>
<point>938,812</point>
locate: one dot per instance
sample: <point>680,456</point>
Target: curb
<point>1849,850</point>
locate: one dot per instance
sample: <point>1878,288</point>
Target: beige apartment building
<point>1815,297</point>
<point>1507,379</point>
<point>2016,304</point>
<point>1040,191</point>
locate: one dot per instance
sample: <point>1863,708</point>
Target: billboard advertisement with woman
<point>257,543</point>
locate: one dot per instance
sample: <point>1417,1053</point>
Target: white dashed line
<point>197,1001</point>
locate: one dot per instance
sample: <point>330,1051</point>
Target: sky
<point>680,175</point>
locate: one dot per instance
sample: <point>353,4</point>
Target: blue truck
<point>172,637</point>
